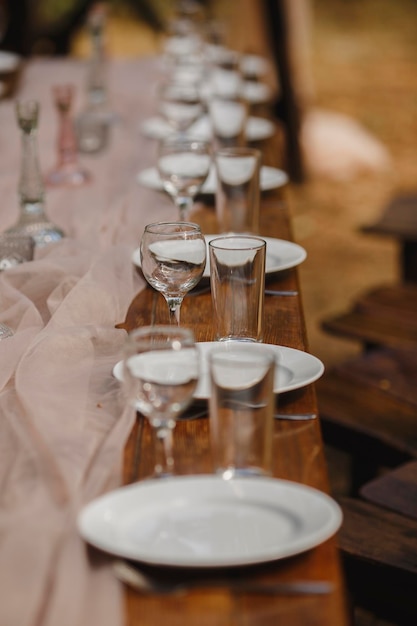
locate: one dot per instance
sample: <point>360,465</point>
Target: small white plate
<point>9,62</point>
<point>271,178</point>
<point>254,92</point>
<point>257,129</point>
<point>295,368</point>
<point>280,255</point>
<point>254,65</point>
<point>205,521</point>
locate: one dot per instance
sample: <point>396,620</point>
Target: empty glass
<point>180,104</point>
<point>173,258</point>
<point>183,166</point>
<point>238,189</point>
<point>160,374</point>
<point>237,278</point>
<point>241,408</point>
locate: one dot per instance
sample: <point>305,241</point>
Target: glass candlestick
<point>93,124</point>
<point>33,220</point>
<point>68,171</point>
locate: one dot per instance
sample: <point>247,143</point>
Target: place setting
<point>234,517</point>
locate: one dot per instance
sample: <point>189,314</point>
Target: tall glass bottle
<point>32,220</point>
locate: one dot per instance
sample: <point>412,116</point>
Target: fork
<point>145,583</point>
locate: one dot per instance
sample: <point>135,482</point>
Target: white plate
<point>254,65</point>
<point>254,92</point>
<point>280,255</point>
<point>271,178</point>
<point>295,370</point>
<point>257,128</point>
<point>205,521</point>
<point>9,61</point>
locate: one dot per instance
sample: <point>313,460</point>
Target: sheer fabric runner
<point>63,426</point>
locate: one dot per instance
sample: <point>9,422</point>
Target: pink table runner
<point>62,422</point>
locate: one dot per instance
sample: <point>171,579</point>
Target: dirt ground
<point>364,65</point>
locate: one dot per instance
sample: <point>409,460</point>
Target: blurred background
<point>355,61</point>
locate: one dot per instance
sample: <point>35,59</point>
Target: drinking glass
<point>241,408</point>
<point>173,258</point>
<point>160,374</point>
<point>180,104</point>
<point>237,279</point>
<point>238,189</point>
<point>183,166</point>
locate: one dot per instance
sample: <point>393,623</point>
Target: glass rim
<point>258,244</point>
<point>238,151</point>
<point>177,140</point>
<point>160,329</point>
<point>258,350</point>
<point>191,227</point>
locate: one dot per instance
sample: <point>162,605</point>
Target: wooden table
<point>298,456</point>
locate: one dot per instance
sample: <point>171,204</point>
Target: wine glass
<point>160,374</point>
<point>180,103</point>
<point>173,258</point>
<point>183,166</point>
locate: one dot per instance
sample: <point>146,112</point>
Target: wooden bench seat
<point>368,408</point>
<point>384,316</point>
<point>395,490</point>
<point>379,549</point>
<point>399,221</point>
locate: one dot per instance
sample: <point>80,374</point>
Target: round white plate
<point>280,255</point>
<point>295,368</point>
<point>205,521</point>
<point>271,178</point>
<point>257,129</point>
<point>254,65</point>
<point>9,61</point>
<point>254,92</point>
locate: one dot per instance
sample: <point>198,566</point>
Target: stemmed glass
<point>67,171</point>
<point>160,374</point>
<point>173,258</point>
<point>183,166</point>
<point>180,104</point>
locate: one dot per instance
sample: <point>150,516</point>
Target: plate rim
<point>279,173</point>
<point>204,481</point>
<point>279,348</point>
<point>268,125</point>
<point>135,257</point>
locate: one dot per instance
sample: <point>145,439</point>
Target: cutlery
<point>278,416</point>
<point>278,292</point>
<point>144,583</point>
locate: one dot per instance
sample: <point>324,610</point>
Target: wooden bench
<point>368,408</point>
<point>384,316</point>
<point>399,221</point>
<point>379,549</point>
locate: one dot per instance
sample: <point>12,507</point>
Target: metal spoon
<point>144,583</point>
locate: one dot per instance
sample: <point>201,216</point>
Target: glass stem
<point>174,305</point>
<point>164,457</point>
<point>184,205</point>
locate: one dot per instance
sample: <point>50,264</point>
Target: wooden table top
<point>298,455</point>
